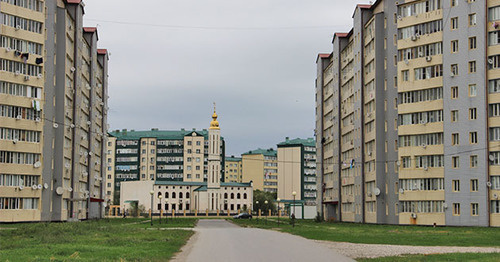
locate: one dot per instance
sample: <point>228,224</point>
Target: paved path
<point>219,240</point>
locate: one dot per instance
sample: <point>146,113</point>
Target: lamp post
<point>166,211</point>
<point>151,193</point>
<point>278,200</point>
<point>265,202</point>
<point>293,214</point>
<point>159,197</point>
<point>256,204</point>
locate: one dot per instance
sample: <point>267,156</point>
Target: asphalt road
<point>219,240</point>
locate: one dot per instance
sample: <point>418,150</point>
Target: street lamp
<point>159,197</point>
<point>151,193</point>
<point>256,204</point>
<point>278,200</point>
<point>293,214</point>
<point>265,202</point>
<point>166,211</point>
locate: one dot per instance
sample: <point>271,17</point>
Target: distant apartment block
<point>53,113</point>
<point>234,169</point>
<point>408,115</point>
<point>260,166</point>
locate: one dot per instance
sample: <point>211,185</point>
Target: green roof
<point>202,184</point>
<point>159,134</point>
<point>260,151</point>
<point>234,159</point>
<point>201,188</point>
<point>299,141</point>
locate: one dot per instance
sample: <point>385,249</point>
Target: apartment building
<point>234,169</point>
<point>260,166</point>
<point>53,111</point>
<point>158,155</point>
<point>417,137</point>
<point>297,171</point>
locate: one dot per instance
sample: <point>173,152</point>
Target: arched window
<point>180,194</point>
<point>187,195</point>
<point>232,195</point>
<point>166,194</point>
<point>159,194</point>
<point>244,195</point>
<point>173,194</point>
<point>238,196</point>
<point>225,195</point>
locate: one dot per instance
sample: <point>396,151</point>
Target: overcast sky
<point>170,60</point>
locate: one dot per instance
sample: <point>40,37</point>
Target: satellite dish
<point>70,189</point>
<point>492,158</point>
<point>376,191</point>
<point>401,191</point>
<point>445,206</point>
<point>34,187</point>
<point>45,185</point>
<point>37,164</point>
<point>21,187</point>
<point>39,186</point>
<point>59,190</point>
<point>104,204</point>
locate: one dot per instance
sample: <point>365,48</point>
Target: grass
<point>103,240</point>
<point>473,257</point>
<point>384,234</point>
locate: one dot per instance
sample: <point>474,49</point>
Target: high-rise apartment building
<point>158,155</point>
<point>233,169</point>
<point>260,166</point>
<point>405,133</point>
<point>53,110</point>
<point>297,171</point>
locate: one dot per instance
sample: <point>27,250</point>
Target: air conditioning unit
<point>428,58</point>
<point>26,78</point>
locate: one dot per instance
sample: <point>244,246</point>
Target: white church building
<point>212,196</point>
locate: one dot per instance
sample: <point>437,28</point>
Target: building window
<point>405,75</point>
<point>189,143</point>
<point>473,161</point>
<point>472,90</point>
<point>454,23</point>
<point>474,208</point>
<point>198,143</point>
<point>473,137</point>
<point>472,66</point>
<point>197,167</point>
<point>474,185</point>
<point>454,92</point>
<point>454,2</point>
<point>456,185</point>
<point>151,168</point>
<point>189,159</point>
<point>454,70</point>
<point>454,46</point>
<point>189,151</point>
<point>455,162</point>
<point>454,115</point>
<point>472,113</point>
<point>455,139</point>
<point>152,143</point>
<point>472,42</point>
<point>472,20</point>
<point>456,209</point>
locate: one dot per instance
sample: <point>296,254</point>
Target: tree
<point>262,196</point>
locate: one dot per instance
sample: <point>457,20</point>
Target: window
<point>405,75</point>
<point>454,46</point>
<point>456,209</point>
<point>197,167</point>
<point>454,2</point>
<point>473,137</point>
<point>494,110</point>
<point>454,23</point>
<point>456,185</point>
<point>494,38</point>
<point>455,161</point>
<point>455,139</point>
<point>189,159</point>
<point>454,69</point>
<point>495,206</point>
<point>474,209</point>
<point>472,90</point>
<point>472,42</point>
<point>473,161</point>
<point>474,185</point>
<point>190,143</point>
<point>472,66</point>
<point>189,151</point>
<point>472,20</point>
<point>151,168</point>
<point>152,143</point>
<point>454,115</point>
<point>472,113</point>
<point>494,13</point>
<point>454,92</point>
<point>198,143</point>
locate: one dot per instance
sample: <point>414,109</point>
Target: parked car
<point>242,216</point>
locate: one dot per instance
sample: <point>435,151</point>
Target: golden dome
<point>214,124</point>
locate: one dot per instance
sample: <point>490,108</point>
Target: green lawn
<point>104,240</point>
<point>384,234</point>
<point>471,257</point>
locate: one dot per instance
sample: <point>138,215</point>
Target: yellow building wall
<point>253,170</point>
<point>289,172</point>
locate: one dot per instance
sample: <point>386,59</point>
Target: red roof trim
<point>102,51</point>
<point>341,34</point>
<point>90,29</point>
<point>364,6</point>
<point>324,55</point>
<point>73,1</point>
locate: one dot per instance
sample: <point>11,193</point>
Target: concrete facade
<point>428,132</point>
<point>63,79</point>
<point>234,169</point>
<point>260,166</point>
